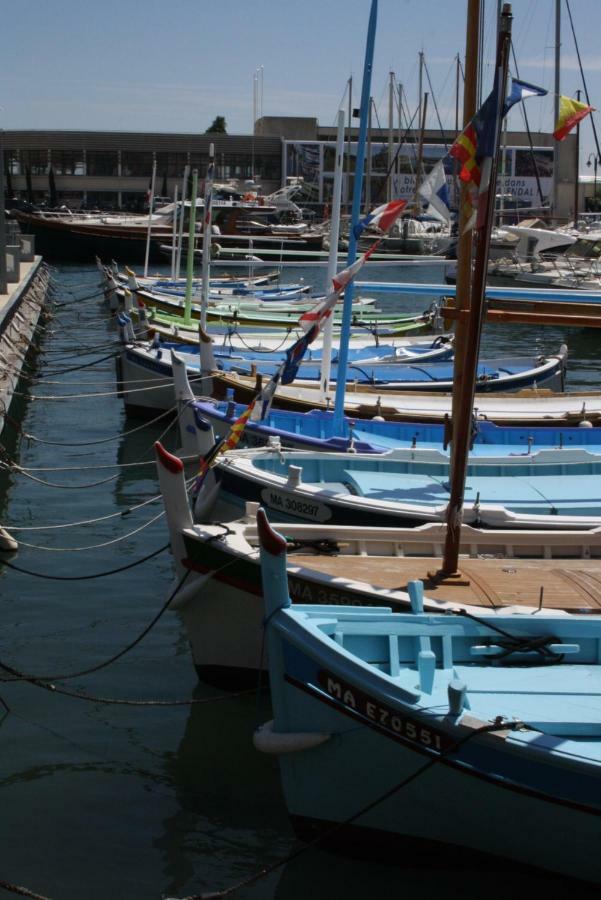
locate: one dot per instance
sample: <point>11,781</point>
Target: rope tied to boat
<point>511,643</point>
<point>499,724</point>
<point>324,546</point>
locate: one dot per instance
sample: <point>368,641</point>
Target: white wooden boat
<point>221,600</point>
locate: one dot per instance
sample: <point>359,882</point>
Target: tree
<point>218,126</point>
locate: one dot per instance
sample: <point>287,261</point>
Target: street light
<point>595,163</point>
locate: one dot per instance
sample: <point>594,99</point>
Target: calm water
<point>116,801</point>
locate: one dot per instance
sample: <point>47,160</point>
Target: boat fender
<point>266,740</point>
<point>7,541</point>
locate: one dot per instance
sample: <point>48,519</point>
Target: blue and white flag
<point>521,90</point>
<point>434,189</point>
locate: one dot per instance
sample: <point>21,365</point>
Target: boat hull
<point>328,784</point>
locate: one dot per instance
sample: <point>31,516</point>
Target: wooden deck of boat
<point>566,583</point>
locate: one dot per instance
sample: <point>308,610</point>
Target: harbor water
<point>133,780</point>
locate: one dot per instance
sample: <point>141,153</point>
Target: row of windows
<point>139,163</point>
<point>309,160</point>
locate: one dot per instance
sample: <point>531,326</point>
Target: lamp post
<point>595,163</point>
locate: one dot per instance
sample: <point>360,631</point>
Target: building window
<point>36,160</point>
<point>13,165</point>
<point>102,162</point>
<point>136,164</point>
<point>524,162</point>
<point>101,200</point>
<point>268,167</point>
<point>68,162</point>
<point>171,164</point>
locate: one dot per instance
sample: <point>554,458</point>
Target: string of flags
<point>312,322</point>
<point>473,148</point>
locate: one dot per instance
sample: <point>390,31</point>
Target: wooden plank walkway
<point>567,584</point>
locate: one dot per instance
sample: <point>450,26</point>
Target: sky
<point>127,65</point>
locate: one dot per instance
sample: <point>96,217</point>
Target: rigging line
<point>84,522</point>
<point>527,124</point>
<point>60,304</point>
<point>21,891</point>
<point>70,487</point>
<point>40,679</point>
<point>46,577</point>
<point>42,377</point>
<point>499,724</point>
<point>95,394</point>
<point>442,131</point>
<point>39,379</point>
<point>586,94</point>
<point>101,546</point>
<point>396,155</point>
<point>115,437</point>
<point>15,467</point>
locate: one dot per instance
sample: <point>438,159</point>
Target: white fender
<point>111,292</point>
<point>132,281</point>
<point>207,358</point>
<point>127,302</point>
<point>266,740</point>
<point>7,541</point>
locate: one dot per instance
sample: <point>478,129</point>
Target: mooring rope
<point>109,543</point>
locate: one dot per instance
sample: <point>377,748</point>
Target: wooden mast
<point>464,384</point>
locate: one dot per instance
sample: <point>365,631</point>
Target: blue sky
<point>174,66</point>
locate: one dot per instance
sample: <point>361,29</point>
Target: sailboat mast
<point>420,156</point>
<point>576,168</point>
<point>206,237</point>
<point>326,351</point>
<point>556,144</point>
<point>191,246</point>
<point>464,238</point>
<point>466,385</point>
<point>352,243</point>
<point>150,211</point>
<point>390,132</point>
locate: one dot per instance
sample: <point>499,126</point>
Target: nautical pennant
<point>383,216</point>
<point>570,113</point>
<point>520,91</point>
<point>435,190</point>
<point>221,445</point>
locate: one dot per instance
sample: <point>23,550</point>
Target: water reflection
<point>231,819</point>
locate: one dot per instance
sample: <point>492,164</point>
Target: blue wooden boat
<point>474,736</point>
<point>402,488</point>
<point>315,431</point>
<point>494,375</point>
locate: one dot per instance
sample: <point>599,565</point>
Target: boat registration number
<point>382,716</point>
<point>301,507</point>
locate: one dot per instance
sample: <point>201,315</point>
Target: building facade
<point>112,170</point>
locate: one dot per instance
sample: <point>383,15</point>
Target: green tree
<point>218,126</point>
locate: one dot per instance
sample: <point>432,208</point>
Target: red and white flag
<point>383,217</point>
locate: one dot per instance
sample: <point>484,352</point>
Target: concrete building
<point>112,169</point>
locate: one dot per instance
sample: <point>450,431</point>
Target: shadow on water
<point>232,818</point>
